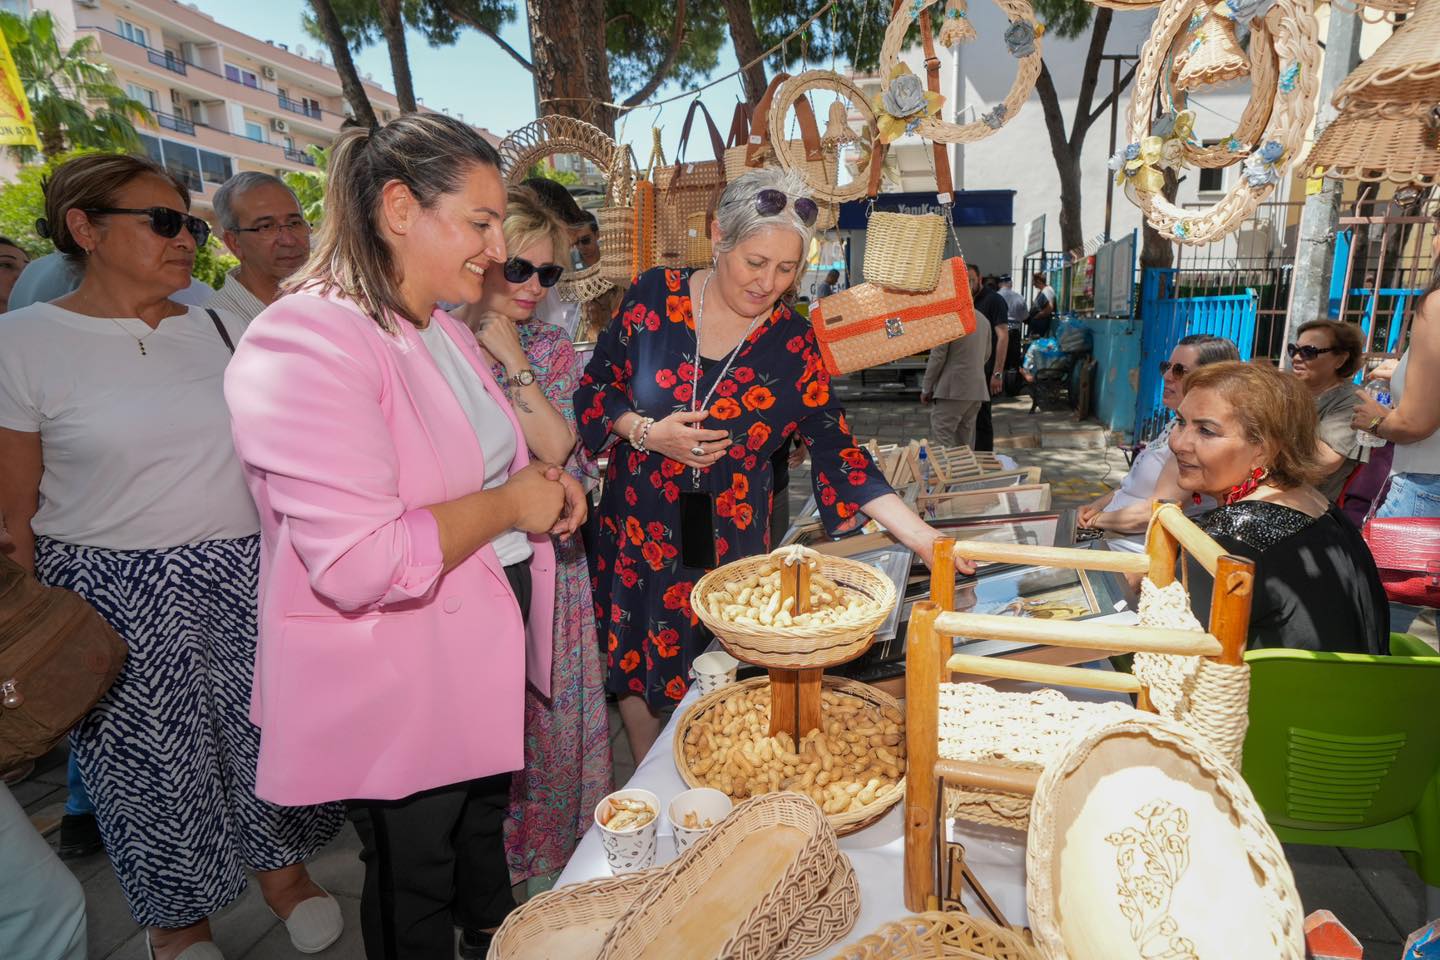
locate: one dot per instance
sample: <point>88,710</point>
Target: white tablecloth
<point>997,856</point>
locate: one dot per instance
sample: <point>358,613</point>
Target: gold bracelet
<point>1374,427</point>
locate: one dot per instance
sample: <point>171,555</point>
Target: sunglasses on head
<point>771,202</point>
<point>164,221</point>
<point>1179,369</point>
<point>1307,352</point>
<point>518,271</point>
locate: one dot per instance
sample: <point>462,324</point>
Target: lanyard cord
<point>695,388</point>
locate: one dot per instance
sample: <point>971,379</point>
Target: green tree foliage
<point>310,187</point>
<point>563,177</point>
<point>75,100</point>
<point>22,202</point>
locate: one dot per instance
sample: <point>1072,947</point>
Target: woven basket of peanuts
<point>853,765</point>
<point>741,604</point>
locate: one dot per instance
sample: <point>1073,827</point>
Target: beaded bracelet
<point>635,429</point>
<point>644,435</point>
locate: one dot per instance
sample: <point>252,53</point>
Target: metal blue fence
<point>1166,318</point>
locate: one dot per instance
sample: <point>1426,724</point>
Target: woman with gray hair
<point>700,378</point>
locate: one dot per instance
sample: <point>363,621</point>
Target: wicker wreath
<point>1023,39</point>
<point>1293,33</point>
<point>1258,108</point>
<point>551,135</point>
<point>791,154</point>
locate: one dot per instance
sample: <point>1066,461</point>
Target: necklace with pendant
<point>139,341</point>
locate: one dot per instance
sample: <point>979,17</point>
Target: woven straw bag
<point>868,325</point>
<point>741,891</point>
<point>940,936</point>
<point>627,222</point>
<point>738,142</point>
<point>684,189</point>
<point>1144,843</point>
<point>697,239</point>
<point>807,153</point>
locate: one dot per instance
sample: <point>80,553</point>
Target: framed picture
<point>1023,476</point>
<point>1025,498</point>
<point>894,562</point>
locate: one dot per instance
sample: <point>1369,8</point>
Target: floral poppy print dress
<point>776,387</point>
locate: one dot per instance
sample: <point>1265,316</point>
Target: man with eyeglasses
<point>261,223</point>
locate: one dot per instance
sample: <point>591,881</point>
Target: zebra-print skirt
<point>168,755</point>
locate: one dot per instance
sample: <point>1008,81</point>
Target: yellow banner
<point>17,124</point>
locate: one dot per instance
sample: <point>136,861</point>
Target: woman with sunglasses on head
<point>406,532</point>
<point>1413,424</point>
<point>699,379</point>
<point>118,480</point>
<point>1324,357</point>
<point>1125,511</point>
<point>567,735</point>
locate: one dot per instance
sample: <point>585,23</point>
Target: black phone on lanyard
<point>697,529</point>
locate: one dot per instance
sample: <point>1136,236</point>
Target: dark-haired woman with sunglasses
<point>118,480</point>
<point>1324,356</point>
<point>567,742</point>
<point>1124,512</point>
<point>700,379</point>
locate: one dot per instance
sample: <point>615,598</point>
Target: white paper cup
<point>706,803</point>
<point>713,670</point>
<point>633,849</point>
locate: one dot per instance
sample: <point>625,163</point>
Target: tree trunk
<point>393,26</point>
<point>571,66</point>
<point>52,141</point>
<point>747,48</point>
<point>1158,250</point>
<point>1072,230</point>
<point>350,83</point>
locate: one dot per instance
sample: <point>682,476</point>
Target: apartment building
<point>223,101</point>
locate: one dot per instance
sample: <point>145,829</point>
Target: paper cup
<point>713,670</point>
<point>633,849</point>
<point>706,803</point>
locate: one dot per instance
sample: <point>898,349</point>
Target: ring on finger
<point>698,450</point>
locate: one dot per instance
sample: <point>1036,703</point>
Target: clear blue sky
<point>475,77</point>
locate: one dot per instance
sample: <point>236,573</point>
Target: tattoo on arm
<point>521,404</point>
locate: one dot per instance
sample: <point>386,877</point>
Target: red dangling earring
<point>1242,490</point>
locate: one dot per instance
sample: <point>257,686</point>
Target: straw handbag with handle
<point>759,149</point>
<point>627,222</point>
<point>684,189</point>
<point>737,144</point>
<point>903,250</point>
<point>868,325</point>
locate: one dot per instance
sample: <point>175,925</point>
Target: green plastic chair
<point>1343,750</point>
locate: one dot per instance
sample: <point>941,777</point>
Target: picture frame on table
<point>1022,476</point>
<point>1024,498</point>
<point>894,562</point>
<point>1050,528</point>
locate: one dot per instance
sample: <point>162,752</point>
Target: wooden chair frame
<point>930,662</point>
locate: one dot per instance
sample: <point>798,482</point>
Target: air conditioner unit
<point>269,72</point>
<point>279,126</point>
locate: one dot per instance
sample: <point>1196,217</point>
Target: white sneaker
<point>314,924</point>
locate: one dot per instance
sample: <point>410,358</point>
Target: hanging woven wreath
<point>1293,34</point>
<point>791,154</point>
<point>551,136</point>
<point>900,104</point>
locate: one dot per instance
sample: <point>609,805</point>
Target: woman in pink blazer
<point>404,535</point>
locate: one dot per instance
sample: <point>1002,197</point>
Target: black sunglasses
<point>163,221</point>
<point>518,271</point>
<point>1307,352</point>
<point>770,203</point>
<point>1179,369</point>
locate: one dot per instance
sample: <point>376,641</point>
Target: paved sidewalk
<point>1375,894</point>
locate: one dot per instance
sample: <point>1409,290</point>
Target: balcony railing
<point>300,107</point>
<point>167,60</point>
<point>178,124</point>
<point>299,156</point>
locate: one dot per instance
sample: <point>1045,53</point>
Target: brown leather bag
<point>58,656</point>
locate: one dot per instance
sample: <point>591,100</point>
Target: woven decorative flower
<point>1288,77</point>
<point>1020,38</point>
<point>1139,163</point>
<point>1178,126</point>
<point>1261,168</point>
<point>903,104</point>
<point>994,119</point>
<point>1244,11</point>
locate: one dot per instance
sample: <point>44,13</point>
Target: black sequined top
<point>1316,586</point>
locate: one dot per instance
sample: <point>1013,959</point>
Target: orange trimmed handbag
<point>868,325</point>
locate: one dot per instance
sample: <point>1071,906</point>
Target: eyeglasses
<point>1307,352</point>
<point>770,203</point>
<point>164,221</point>
<point>298,226</point>
<point>517,270</point>
<point>1179,369</point>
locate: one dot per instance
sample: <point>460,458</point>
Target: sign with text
<point>1035,235</point>
<point>17,124</point>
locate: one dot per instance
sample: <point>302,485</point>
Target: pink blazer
<point>376,676</point>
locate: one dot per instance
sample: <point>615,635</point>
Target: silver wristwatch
<point>522,379</point>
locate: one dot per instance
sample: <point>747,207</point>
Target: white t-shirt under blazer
<point>136,447</point>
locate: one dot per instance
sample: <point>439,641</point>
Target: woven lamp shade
<point>1389,123</point>
<point>1212,56</point>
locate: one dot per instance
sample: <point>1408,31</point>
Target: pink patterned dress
<point>567,738</point>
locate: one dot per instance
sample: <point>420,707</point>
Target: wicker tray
<point>797,648</point>
<point>843,823</point>
<point>940,936</point>
<point>571,923</point>
<point>737,894</point>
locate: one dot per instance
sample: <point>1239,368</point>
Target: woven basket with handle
<point>697,240</point>
<point>816,645</point>
<point>805,156</point>
<point>844,823</point>
<point>620,234</point>
<point>940,936</point>
<point>684,189</point>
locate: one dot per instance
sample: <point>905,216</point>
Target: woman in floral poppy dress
<point>672,433</point>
